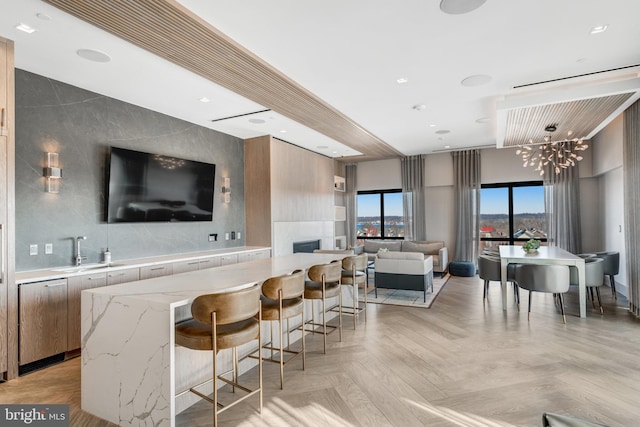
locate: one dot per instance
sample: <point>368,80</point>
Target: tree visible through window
<point>380,215</point>
<point>512,213</point>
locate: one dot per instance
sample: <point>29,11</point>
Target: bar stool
<point>283,298</point>
<point>611,268</point>
<point>221,321</point>
<point>323,283</point>
<point>354,274</point>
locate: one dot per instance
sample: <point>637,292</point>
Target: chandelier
<point>560,154</point>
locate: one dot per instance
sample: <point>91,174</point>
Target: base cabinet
<point>43,320</point>
<point>75,285</point>
<point>123,276</point>
<point>152,271</point>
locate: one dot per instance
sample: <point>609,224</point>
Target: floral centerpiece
<point>531,246</point>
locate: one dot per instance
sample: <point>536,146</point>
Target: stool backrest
<point>292,285</point>
<point>230,307</point>
<point>332,272</point>
<point>359,261</point>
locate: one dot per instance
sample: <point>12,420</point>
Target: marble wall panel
<point>81,126</point>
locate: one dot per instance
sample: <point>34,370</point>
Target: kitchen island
<point>131,368</point>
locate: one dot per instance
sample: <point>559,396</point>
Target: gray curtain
<point>631,168</point>
<point>466,187</point>
<point>562,206</point>
<point>413,197</point>
<point>351,192</point>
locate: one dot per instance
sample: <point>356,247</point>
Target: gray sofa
<point>436,249</point>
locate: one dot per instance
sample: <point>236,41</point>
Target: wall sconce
<point>226,190</point>
<point>52,173</point>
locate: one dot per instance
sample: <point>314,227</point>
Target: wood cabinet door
<point>75,286</point>
<point>43,320</point>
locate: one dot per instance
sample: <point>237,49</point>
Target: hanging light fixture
<point>560,154</point>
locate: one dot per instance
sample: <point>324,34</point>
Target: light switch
<point>48,248</point>
<point>33,250</point>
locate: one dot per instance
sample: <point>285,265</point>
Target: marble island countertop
<point>62,272</point>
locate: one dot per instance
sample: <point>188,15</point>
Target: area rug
<point>403,297</point>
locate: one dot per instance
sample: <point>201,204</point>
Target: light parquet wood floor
<point>459,363</point>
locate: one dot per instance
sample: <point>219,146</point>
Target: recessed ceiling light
<point>419,107</point>
<point>283,131</point>
<point>204,99</point>
<point>476,80</point>
<point>482,120</point>
<point>432,126</point>
<point>257,121</point>
<point>443,131</point>
<point>447,146</point>
<point>25,28</point>
<point>598,29</point>
<point>402,80</point>
<point>458,7</point>
<point>43,16</point>
<point>93,55</point>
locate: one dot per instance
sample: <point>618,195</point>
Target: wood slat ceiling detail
<point>581,117</point>
<point>169,30</point>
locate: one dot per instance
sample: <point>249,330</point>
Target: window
<point>380,215</point>
<point>512,213</point>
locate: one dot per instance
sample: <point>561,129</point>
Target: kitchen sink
<point>84,267</point>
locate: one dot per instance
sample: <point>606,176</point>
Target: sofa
<point>435,249</point>
<point>404,270</point>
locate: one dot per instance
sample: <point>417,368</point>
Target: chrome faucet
<point>79,257</point>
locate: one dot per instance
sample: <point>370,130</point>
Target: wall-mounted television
<point>146,187</point>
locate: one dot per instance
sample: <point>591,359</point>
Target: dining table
<point>512,254</point>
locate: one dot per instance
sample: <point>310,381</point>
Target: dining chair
<point>594,277</point>
<point>611,268</point>
<point>489,269</point>
<point>549,278</point>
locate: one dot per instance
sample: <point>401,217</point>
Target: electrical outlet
<point>33,250</point>
<point>226,236</point>
<point>48,248</point>
<point>213,237</point>
<point>239,235</point>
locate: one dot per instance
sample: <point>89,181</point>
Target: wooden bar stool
<point>323,283</point>
<point>283,298</point>
<point>221,321</point>
<point>354,273</point>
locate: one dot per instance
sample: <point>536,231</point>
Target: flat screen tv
<point>145,187</point>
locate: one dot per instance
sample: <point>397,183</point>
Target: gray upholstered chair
<point>556,420</point>
<point>489,269</point>
<point>594,276</point>
<point>543,278</point>
<point>611,268</point>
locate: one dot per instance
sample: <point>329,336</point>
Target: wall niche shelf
<point>338,183</point>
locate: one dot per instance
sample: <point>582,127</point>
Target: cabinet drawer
<point>209,263</point>
<point>184,266</point>
<point>43,320</point>
<point>151,271</point>
<point>123,276</point>
<point>228,259</point>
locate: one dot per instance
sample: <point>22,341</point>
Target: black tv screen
<point>145,187</point>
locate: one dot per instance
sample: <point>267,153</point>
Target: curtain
<point>562,206</point>
<point>351,202</point>
<point>631,171</point>
<point>413,197</point>
<point>466,188</point>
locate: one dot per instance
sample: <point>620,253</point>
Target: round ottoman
<point>462,268</point>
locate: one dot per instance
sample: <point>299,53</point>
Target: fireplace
<point>306,246</point>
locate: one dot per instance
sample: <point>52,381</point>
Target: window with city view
<point>512,213</point>
<point>380,215</point>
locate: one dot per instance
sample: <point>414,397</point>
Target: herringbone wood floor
<point>460,363</point>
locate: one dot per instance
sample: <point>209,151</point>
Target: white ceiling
<point>350,54</point>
